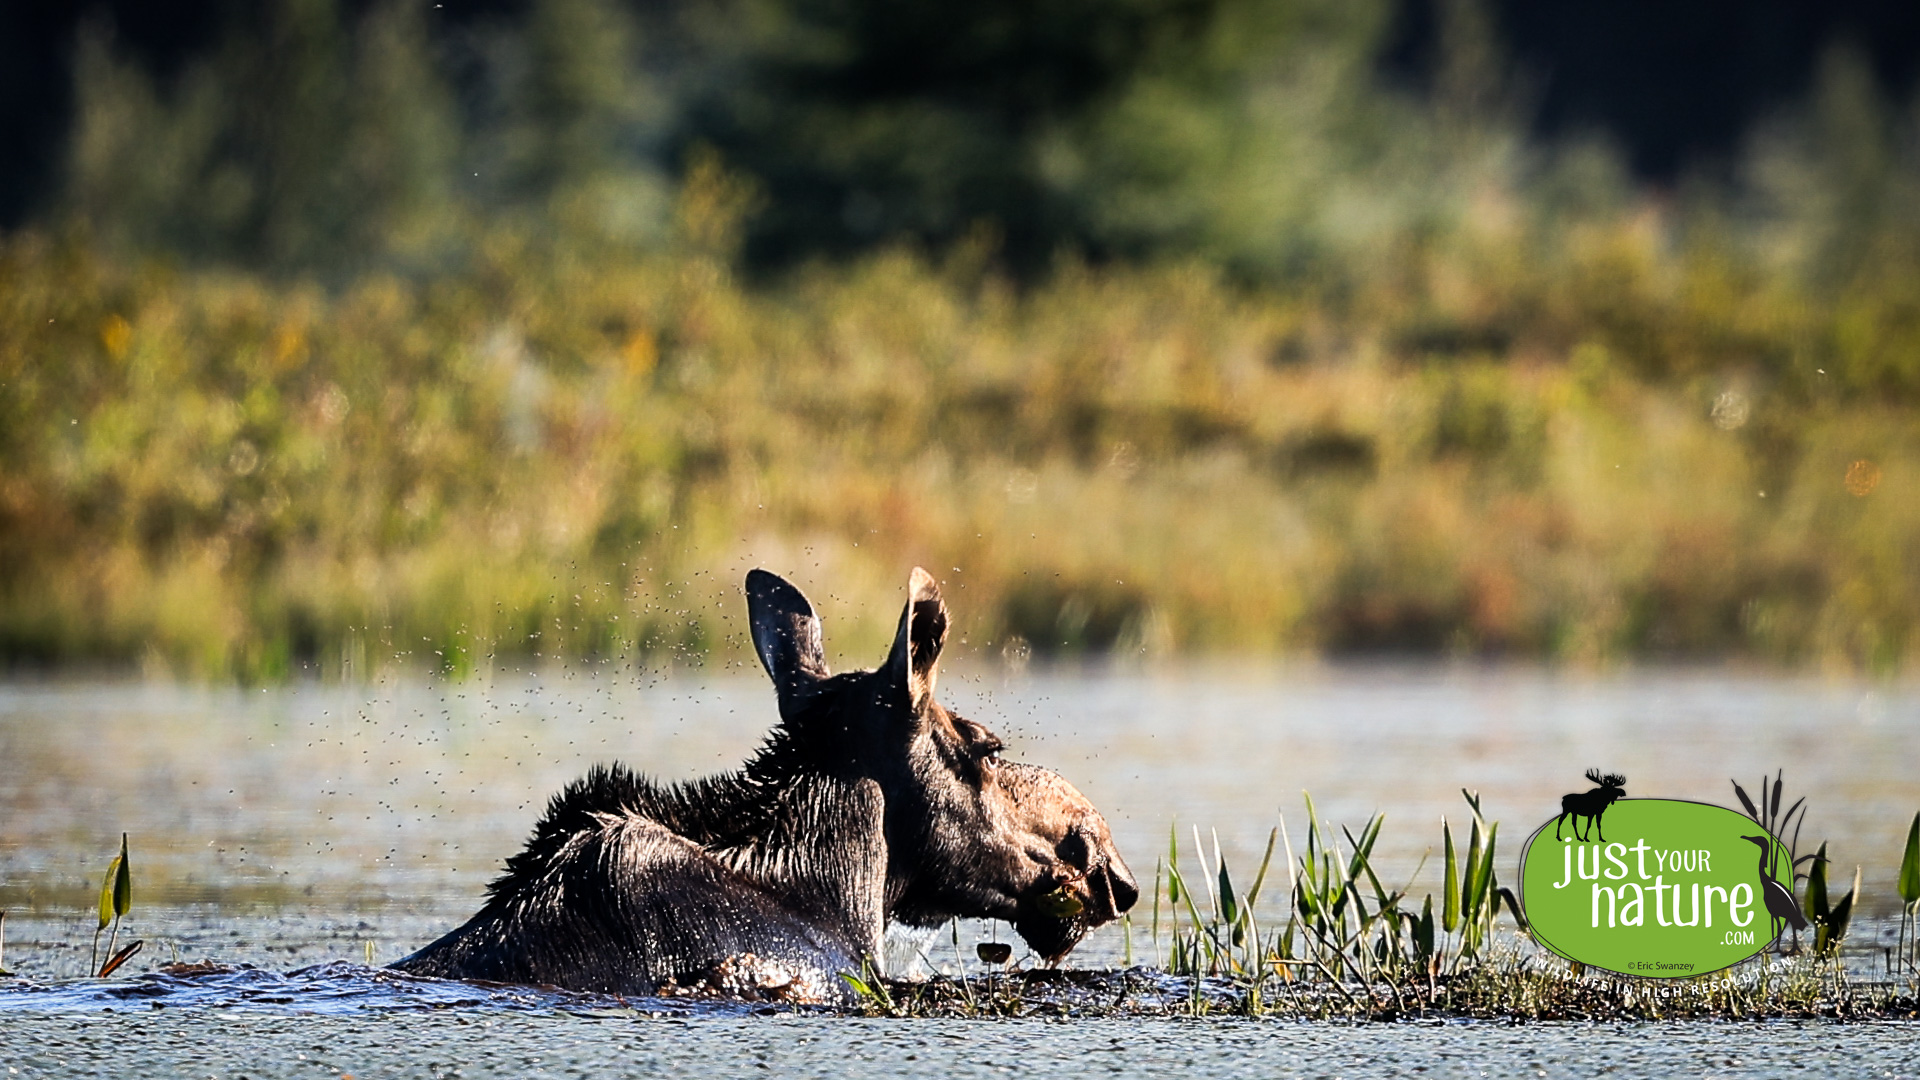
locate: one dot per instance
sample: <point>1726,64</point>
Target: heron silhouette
<point>1779,899</point>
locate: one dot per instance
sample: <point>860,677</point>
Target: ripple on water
<point>338,987</point>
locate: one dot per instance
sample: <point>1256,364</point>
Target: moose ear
<point>916,646</point>
<point>786,632</point>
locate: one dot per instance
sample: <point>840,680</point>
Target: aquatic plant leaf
<point>1157,870</point>
<point>123,881</point>
<point>1833,927</point>
<point>993,952</point>
<point>1909,885</point>
<point>1059,904</point>
<point>1513,905</point>
<point>1484,880</point>
<point>121,957</point>
<point>106,892</point>
<point>1450,890</point>
<point>1200,849</point>
<point>1470,870</point>
<point>870,988</point>
<point>1259,879</point>
<point>1423,930</point>
<point>1173,863</point>
<point>1229,906</point>
<point>1816,899</point>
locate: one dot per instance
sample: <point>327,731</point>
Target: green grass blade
<point>1450,891</point>
<point>1173,862</point>
<point>1259,879</point>
<point>1178,884</point>
<point>1286,843</point>
<point>1206,879</point>
<point>1158,869</point>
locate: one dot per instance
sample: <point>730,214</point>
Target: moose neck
<point>743,809</point>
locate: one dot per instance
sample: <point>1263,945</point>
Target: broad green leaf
<point>1450,891</point>
<point>1229,906</point>
<point>123,882</point>
<point>1482,887</point>
<point>1816,902</point>
<point>1059,904</point>
<point>1423,930</point>
<point>106,892</point>
<point>1472,870</point>
<point>1910,864</point>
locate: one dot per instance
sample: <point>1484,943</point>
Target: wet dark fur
<point>869,803</point>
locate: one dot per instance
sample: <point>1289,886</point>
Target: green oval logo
<point>1659,888</point>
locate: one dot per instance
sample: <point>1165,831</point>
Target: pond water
<point>320,823</point>
<point>260,1044</point>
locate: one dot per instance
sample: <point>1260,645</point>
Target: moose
<point>1591,805</point>
<point>869,803</point>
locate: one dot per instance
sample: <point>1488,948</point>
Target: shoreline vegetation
<point>219,476</point>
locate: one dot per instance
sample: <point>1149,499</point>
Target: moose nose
<point>1087,850</point>
<point>1125,892</point>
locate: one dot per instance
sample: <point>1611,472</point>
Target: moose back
<point>869,803</point>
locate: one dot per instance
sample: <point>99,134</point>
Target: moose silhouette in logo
<point>1590,805</point>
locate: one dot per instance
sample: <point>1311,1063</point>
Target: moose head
<point>968,833</point>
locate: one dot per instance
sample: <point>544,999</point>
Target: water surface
<point>302,824</point>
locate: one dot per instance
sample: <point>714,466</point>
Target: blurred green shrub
<point>214,473</point>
